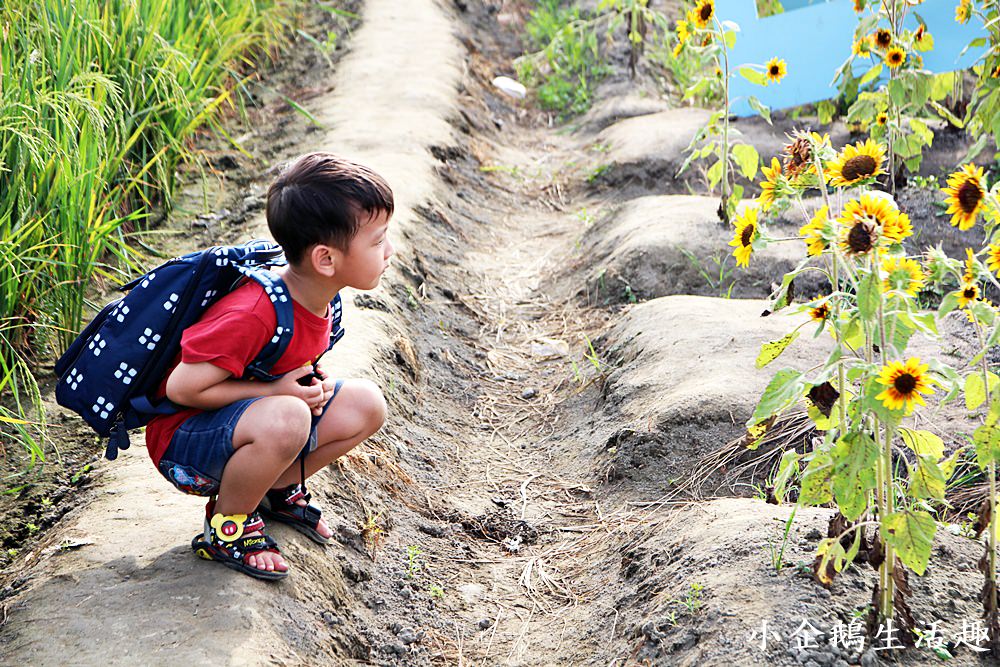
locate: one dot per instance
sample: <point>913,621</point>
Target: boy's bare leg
<point>357,412</point>
<point>267,439</point>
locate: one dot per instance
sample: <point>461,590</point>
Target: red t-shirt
<point>230,335</point>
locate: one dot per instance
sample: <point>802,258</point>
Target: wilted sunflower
<point>964,11</point>
<point>703,12</point>
<point>903,275</point>
<point>746,231</point>
<point>882,118</point>
<point>895,57</point>
<point>904,382</point>
<point>799,153</point>
<point>859,6</point>
<point>971,269</point>
<point>864,221</point>
<point>856,163</point>
<point>993,257</point>
<point>966,294</point>
<point>820,313</point>
<point>816,231</point>
<point>965,196</point>
<point>882,38</point>
<point>769,184</point>
<point>776,69</point>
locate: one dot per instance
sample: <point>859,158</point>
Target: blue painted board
<point>816,38</point>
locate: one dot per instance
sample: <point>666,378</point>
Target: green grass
<point>99,103</point>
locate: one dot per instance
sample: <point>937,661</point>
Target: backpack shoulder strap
<point>336,313</point>
<point>277,292</point>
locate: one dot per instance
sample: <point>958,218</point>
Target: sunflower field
<point>99,102</point>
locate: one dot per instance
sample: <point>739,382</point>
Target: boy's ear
<point>325,259</point>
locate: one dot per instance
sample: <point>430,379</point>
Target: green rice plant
<point>99,103</point>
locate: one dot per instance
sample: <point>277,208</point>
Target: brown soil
<point>522,505</point>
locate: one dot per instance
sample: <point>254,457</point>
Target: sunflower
<point>865,220</point>
<point>859,6</point>
<point>971,270</point>
<point>995,72</point>
<point>769,184</point>
<point>966,294</point>
<point>965,196</point>
<point>820,313</point>
<point>896,229</point>
<point>776,69</point>
<point>799,153</point>
<point>969,315</point>
<point>882,118</point>
<point>703,12</point>
<point>904,382</point>
<point>678,47</point>
<point>903,275</point>
<point>861,47</point>
<point>964,11</point>
<point>683,31</point>
<point>993,257</point>
<point>816,231</point>
<point>746,232</point>
<point>895,57</point>
<point>882,38</point>
<point>856,163</point>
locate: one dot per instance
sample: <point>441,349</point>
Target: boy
<point>240,439</point>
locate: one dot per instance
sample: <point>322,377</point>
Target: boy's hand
<point>313,394</point>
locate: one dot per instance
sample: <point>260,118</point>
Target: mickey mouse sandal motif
<point>225,540</point>
<point>280,505</point>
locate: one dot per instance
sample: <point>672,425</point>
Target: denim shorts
<point>201,446</point>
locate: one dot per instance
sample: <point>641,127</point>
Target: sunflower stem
<point>887,566</point>
<point>991,539</point>
<point>724,208</point>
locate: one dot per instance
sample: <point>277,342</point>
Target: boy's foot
<point>290,505</point>
<point>238,542</point>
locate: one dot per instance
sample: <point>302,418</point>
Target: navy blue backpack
<point>112,372</point>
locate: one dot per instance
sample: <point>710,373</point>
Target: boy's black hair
<point>319,198</point>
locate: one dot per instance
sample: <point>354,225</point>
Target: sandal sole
<point>311,533</point>
<point>203,550</point>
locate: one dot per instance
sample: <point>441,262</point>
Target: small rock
<point>398,649</point>
<point>814,535</point>
<point>530,392</point>
<point>408,636</point>
<point>433,530</point>
<point>396,628</point>
<point>811,663</point>
<point>252,203</point>
<point>485,623</point>
<point>869,659</point>
<point>841,663</point>
<point>405,593</point>
<point>331,618</point>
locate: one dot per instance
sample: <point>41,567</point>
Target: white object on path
<point>510,87</point>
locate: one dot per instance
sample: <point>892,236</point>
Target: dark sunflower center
<point>774,71</point>
<point>706,12</point>
<point>747,235</point>
<point>905,383</point>
<point>884,38</point>
<point>896,57</point>
<point>859,239</point>
<point>969,292</point>
<point>969,196</point>
<point>821,312</point>
<point>858,167</point>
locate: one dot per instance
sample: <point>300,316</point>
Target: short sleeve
<point>230,339</point>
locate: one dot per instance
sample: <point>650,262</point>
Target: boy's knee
<point>285,423</point>
<point>375,406</point>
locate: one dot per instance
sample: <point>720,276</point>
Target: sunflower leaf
<point>788,466</point>
<point>854,473</point>
<point>815,488</point>
<point>869,294</point>
<point>752,75</point>
<point>871,74</point>
<point>986,438</point>
<point>760,108</point>
<point>910,532</point>
<point>924,443</point>
<point>785,388</point>
<point>748,159</point>
<point>927,480</point>
<point>772,350</point>
<point>975,389</point>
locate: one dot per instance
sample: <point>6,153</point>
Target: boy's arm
<point>207,387</point>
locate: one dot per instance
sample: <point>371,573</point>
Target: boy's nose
<point>390,249</point>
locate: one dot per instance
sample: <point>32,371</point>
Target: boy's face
<point>368,254</point>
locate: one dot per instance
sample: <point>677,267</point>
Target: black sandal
<point>224,541</point>
<point>280,505</point>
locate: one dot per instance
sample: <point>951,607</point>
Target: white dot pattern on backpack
<point>145,281</point>
<point>97,345</point>
<point>103,407</point>
<point>74,379</point>
<point>208,297</point>
<point>125,373</point>
<point>120,313</point>
<point>277,334</point>
<point>171,303</point>
<point>149,339</point>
